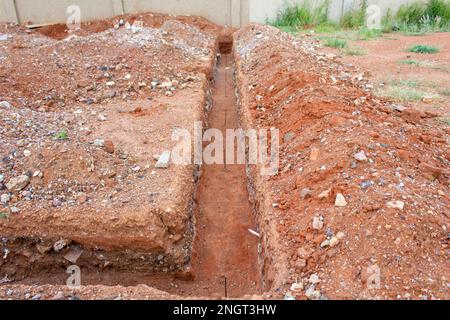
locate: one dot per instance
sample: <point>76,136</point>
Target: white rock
<point>15,210</point>
<point>5,105</point>
<point>340,201</point>
<point>18,183</point>
<point>317,223</point>
<point>163,161</point>
<point>396,204</point>
<point>361,156</point>
<point>5,198</point>
<point>312,294</point>
<point>334,242</point>
<point>314,279</point>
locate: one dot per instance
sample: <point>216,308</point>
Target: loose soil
<point>184,230</point>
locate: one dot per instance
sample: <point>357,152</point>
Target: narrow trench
<point>225,253</point>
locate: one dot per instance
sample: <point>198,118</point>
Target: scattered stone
<point>314,279</point>
<point>325,194</point>
<point>360,156</point>
<point>27,153</point>
<point>305,193</point>
<point>109,146</point>
<point>5,198</point>
<point>427,99</point>
<point>396,204</point>
<point>5,105</point>
<point>340,235</point>
<point>110,84</point>
<point>340,201</point>
<point>317,223</point>
<point>2,178</point>
<point>15,210</point>
<point>99,143</point>
<point>21,143</point>
<point>325,243</point>
<point>297,287</point>
<point>366,184</point>
<point>56,202</point>
<point>102,118</point>
<point>312,294</point>
<point>334,242</point>
<point>59,296</point>
<point>163,161</point>
<point>18,183</point>
<point>61,244</point>
<point>73,255</point>
<point>42,249</point>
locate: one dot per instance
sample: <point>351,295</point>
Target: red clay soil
<point>341,140</point>
<point>224,247</point>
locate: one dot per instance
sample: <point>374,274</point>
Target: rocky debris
<point>109,146</point>
<point>5,198</point>
<point>361,156</point>
<point>18,183</point>
<point>61,244</point>
<point>396,204</point>
<point>340,200</point>
<point>5,105</point>
<point>314,154</point>
<point>317,223</point>
<point>73,255</point>
<point>163,160</point>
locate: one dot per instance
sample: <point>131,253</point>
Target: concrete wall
<point>225,12</point>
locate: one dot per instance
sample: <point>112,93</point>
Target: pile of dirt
<point>363,187</point>
<point>83,123</point>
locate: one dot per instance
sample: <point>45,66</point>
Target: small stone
<point>360,156</point>
<point>15,210</point>
<point>60,244</point>
<point>325,194</point>
<point>5,198</point>
<point>325,243</point>
<point>102,118</point>
<point>340,235</point>
<point>314,279</point>
<point>2,178</point>
<point>56,202</point>
<point>59,296</point>
<point>99,143</point>
<point>5,105</point>
<point>42,249</point>
<point>110,84</point>
<point>340,201</point>
<point>317,223</point>
<point>27,153</point>
<point>305,193</point>
<point>427,99</point>
<point>396,205</point>
<point>18,183</point>
<point>334,242</point>
<point>163,161</point>
<point>366,184</point>
<point>73,255</point>
<point>312,294</point>
<point>314,154</point>
<point>297,287</point>
<point>109,146</point>
<point>109,94</point>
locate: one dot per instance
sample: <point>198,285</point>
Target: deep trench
<point>225,260</point>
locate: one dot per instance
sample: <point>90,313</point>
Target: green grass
<point>368,34</point>
<point>301,15</point>
<point>353,51</point>
<point>424,49</point>
<point>335,43</point>
<point>402,94</point>
<point>411,62</point>
<point>3,215</point>
<point>61,135</point>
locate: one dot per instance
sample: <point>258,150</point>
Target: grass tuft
<point>420,48</point>
<point>335,43</point>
